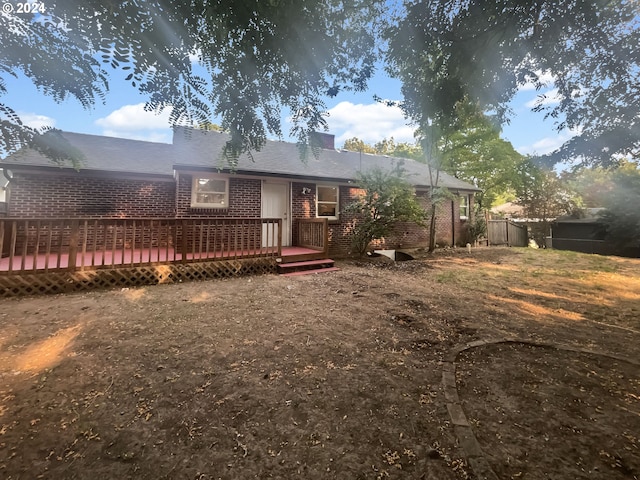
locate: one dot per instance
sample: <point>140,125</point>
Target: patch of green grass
<point>602,264</point>
<point>567,253</point>
<point>446,277</point>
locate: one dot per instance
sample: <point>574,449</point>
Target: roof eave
<point>54,169</point>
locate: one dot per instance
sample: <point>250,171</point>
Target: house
<point>122,178</point>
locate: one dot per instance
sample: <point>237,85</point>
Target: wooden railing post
<point>73,244</point>
<point>185,242</point>
<point>279,237</point>
<point>325,239</point>
<point>2,241</point>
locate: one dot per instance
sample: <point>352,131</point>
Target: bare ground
<point>335,375</point>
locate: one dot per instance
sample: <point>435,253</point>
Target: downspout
<point>4,211</point>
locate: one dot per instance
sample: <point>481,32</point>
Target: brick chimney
<point>325,141</point>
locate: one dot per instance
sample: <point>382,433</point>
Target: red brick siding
<point>340,231</point>
<point>245,197</point>
<point>82,196</point>
<point>448,232</point>
<point>302,205</point>
<point>405,235</point>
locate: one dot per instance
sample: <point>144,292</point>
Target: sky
<point>349,115</point>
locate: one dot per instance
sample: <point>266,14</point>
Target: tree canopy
<point>622,215</point>
<point>386,146</point>
<point>596,186</point>
<point>475,153</point>
<point>241,61</point>
<point>244,62</point>
<point>451,51</point>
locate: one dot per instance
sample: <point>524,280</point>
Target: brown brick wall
<point>244,199</point>
<point>83,196</point>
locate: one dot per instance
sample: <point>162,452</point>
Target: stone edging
<point>461,427</point>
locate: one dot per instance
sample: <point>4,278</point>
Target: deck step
<point>309,272</point>
<point>306,263</point>
<point>305,266</point>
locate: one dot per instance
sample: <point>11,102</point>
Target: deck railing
<point>72,244</point>
<point>313,233</point>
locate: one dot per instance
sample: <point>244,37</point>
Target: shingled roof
<point>105,154</point>
<point>198,149</point>
<point>202,150</point>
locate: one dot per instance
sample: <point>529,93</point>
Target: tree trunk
<point>432,229</point>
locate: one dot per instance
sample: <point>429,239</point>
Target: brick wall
<point>404,235</point>
<point>450,229</point>
<point>340,231</point>
<point>83,196</point>
<point>303,205</point>
<point>245,197</point>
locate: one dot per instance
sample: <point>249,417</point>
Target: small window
<point>464,207</point>
<point>210,192</point>
<point>327,202</point>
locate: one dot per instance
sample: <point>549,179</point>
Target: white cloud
<point>547,144</point>
<point>550,97</point>
<point>133,122</point>
<point>34,120</point>
<point>134,117</point>
<point>370,123</point>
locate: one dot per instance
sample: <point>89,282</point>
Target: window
<point>208,192</point>
<point>327,202</point>
<point>464,207</point>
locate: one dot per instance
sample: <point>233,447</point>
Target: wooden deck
<point>76,254</point>
<point>138,257</point>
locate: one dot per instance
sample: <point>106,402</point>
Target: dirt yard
<point>337,375</point>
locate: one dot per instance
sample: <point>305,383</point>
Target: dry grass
<point>327,376</point>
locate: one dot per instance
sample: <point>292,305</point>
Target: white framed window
<point>464,207</point>
<point>327,205</point>
<point>210,192</point>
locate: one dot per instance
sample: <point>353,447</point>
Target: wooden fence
<point>506,232</point>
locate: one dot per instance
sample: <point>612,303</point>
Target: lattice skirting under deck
<point>65,282</point>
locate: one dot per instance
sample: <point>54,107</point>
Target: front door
<point>275,204</point>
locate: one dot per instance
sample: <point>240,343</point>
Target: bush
<point>388,198</point>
